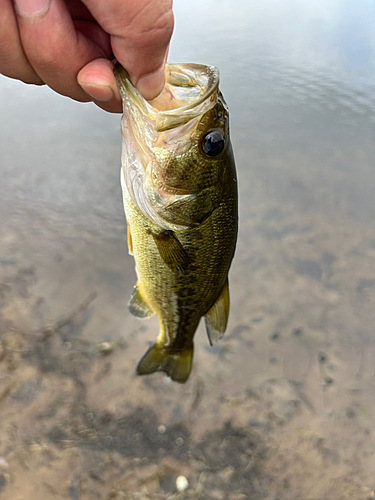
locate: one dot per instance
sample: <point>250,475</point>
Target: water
<point>283,406</point>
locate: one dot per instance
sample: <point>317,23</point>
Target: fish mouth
<point>190,90</point>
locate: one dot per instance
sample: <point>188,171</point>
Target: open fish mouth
<point>189,91</point>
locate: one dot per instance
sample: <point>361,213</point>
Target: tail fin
<point>176,365</point>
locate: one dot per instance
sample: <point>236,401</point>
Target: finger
<point>140,33</point>
<point>98,81</point>
<point>13,61</point>
<point>55,49</point>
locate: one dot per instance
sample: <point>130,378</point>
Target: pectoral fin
<point>138,306</point>
<point>130,241</point>
<point>171,251</point>
<point>217,317</point>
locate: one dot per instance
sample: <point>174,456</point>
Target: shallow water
<point>283,406</point>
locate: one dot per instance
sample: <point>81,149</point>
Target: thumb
<point>140,32</point>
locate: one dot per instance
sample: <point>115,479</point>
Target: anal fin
<point>176,365</point>
<point>217,317</point>
<point>171,250</point>
<point>138,306</point>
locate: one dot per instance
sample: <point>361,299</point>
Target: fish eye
<point>213,143</point>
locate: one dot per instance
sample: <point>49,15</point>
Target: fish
<point>180,196</point>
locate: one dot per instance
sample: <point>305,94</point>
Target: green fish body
<point>180,198</point>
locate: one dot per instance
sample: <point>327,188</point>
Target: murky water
<point>283,407</point>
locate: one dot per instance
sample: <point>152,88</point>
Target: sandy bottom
<point>282,408</point>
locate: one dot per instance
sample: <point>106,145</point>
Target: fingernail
<point>98,92</point>
<point>151,85</point>
<point>31,8</point>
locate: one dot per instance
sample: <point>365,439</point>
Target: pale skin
<point>71,45</point>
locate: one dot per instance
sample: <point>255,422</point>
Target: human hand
<point>69,45</point>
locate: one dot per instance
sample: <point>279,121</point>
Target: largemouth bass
<point>180,196</point>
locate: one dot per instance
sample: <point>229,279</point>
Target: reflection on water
<point>283,406</point>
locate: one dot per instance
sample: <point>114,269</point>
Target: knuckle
<point>146,22</point>
<point>43,56</point>
<point>161,27</point>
